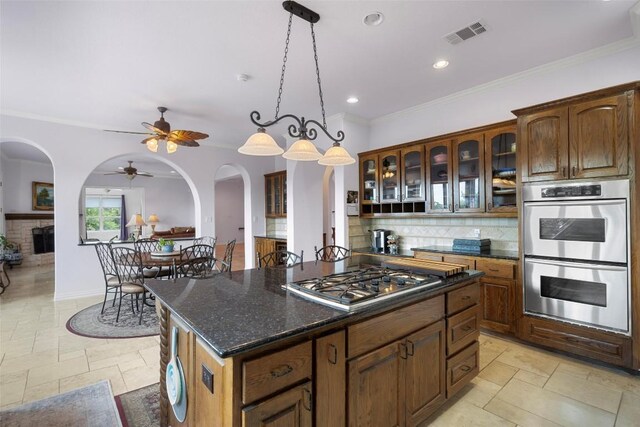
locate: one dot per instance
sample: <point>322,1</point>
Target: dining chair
<point>332,253</point>
<point>205,240</point>
<point>109,272</point>
<point>281,258</point>
<point>3,270</point>
<point>148,246</point>
<point>129,266</point>
<point>198,268</point>
<point>228,256</point>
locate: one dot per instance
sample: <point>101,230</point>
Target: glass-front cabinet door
<point>500,166</point>
<point>412,174</point>
<point>439,176</point>
<point>389,177</point>
<point>277,195</point>
<point>468,173</point>
<point>369,179</point>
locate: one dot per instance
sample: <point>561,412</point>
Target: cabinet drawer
<point>462,298</point>
<point>462,329</point>
<point>506,270</point>
<point>462,368</point>
<point>427,256</point>
<point>373,333</point>
<point>268,374</point>
<point>469,262</point>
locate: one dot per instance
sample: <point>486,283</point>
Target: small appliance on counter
<point>379,242</point>
<point>471,245</point>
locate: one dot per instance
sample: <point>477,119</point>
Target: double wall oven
<point>576,253</point>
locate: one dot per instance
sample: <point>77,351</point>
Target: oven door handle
<point>574,264</point>
<point>564,202</point>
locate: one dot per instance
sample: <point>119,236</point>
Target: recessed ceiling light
<point>441,63</point>
<point>372,19</point>
<point>352,100</point>
<point>174,172</point>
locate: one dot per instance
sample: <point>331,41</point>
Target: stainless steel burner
<point>355,289</point>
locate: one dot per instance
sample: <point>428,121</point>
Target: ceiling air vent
<point>467,32</point>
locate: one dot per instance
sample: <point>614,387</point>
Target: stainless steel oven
<point>576,252</point>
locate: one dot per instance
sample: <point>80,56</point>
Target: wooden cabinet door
<point>497,304</point>
<point>331,380</point>
<point>599,138</point>
<point>375,394</point>
<point>269,204</point>
<point>468,173</point>
<point>425,385</point>
<point>543,139</point>
<point>369,179</point>
<point>412,162</point>
<point>500,169</point>
<point>390,176</point>
<point>291,408</point>
<point>439,177</point>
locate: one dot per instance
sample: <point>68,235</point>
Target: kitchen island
<point>254,354</point>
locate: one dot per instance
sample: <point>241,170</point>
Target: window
<point>102,213</point>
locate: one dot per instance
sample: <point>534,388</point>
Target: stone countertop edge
<point>369,251</point>
<point>320,318</point>
<point>493,253</point>
<point>273,237</point>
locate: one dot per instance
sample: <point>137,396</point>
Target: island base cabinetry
<point>290,408</point>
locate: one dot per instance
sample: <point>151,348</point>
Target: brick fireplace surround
<point>18,229</point>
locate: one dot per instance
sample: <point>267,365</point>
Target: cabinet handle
<point>465,368</point>
<point>457,206</point>
<point>466,328</point>
<point>494,269</point>
<point>573,171</point>
<point>333,354</point>
<point>281,371</point>
<point>403,351</point>
<point>450,210</point>
<point>306,401</point>
<point>410,348</point>
<point>466,298</point>
<point>564,171</point>
<point>490,206</point>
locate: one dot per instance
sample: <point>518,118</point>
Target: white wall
<point>229,205</point>
<point>75,152</point>
<point>18,176</point>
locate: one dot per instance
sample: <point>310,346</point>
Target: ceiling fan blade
<point>126,131</point>
<point>147,174</point>
<point>188,135</point>
<point>115,173</point>
<point>152,128</point>
<point>183,142</point>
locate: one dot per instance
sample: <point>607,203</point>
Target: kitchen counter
<point>271,236</point>
<point>492,253</point>
<point>369,251</point>
<point>244,310</point>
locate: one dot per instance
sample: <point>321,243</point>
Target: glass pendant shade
<point>171,147</point>
<point>336,156</point>
<point>152,145</point>
<point>261,144</point>
<point>302,150</point>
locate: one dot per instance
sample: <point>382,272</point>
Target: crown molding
<point>50,119</point>
<point>580,58</point>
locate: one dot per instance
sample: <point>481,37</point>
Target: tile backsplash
<point>417,232</point>
<point>276,226</point>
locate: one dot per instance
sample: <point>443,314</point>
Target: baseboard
<point>74,295</point>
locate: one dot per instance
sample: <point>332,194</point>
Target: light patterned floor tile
<point>629,412</point>
<point>112,374</point>
<point>498,373</point>
<point>531,378</point>
<point>479,392</point>
<point>465,414</point>
<point>519,416</point>
<point>41,391</point>
<point>55,371</point>
<point>12,392</point>
<point>140,377</point>
<point>532,361</point>
<point>584,391</point>
<point>553,406</point>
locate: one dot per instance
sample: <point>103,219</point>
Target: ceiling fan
<point>161,131</point>
<point>130,172</point>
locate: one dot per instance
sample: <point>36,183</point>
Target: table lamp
<point>136,221</point>
<point>153,220</point>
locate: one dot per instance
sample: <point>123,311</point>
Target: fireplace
<point>43,238</point>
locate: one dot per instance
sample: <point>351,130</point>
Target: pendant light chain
<point>315,57</point>
<point>284,65</point>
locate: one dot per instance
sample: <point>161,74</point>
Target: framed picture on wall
<point>42,196</point>
<point>352,203</point>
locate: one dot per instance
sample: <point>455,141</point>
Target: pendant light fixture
<point>261,144</point>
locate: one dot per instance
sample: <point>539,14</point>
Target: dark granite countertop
<point>244,310</point>
<point>492,253</point>
<point>271,236</point>
<point>370,251</point>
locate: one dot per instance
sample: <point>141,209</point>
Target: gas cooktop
<point>355,289</point>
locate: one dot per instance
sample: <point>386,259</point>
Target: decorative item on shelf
<point>166,245</point>
<point>138,222</point>
<point>161,131</point>
<point>153,220</point>
<point>465,155</point>
<point>513,147</point>
<point>440,158</point>
<point>392,243</point>
<point>442,174</point>
<point>261,144</point>
<point>387,170</point>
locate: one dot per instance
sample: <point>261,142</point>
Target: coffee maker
<point>379,242</point>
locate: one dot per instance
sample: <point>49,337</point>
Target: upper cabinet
<point>587,139</point>
<point>275,203</point>
<point>369,179</point>
<point>439,177</point>
<point>390,176</point>
<point>412,161</point>
<point>500,169</point>
<point>468,175</point>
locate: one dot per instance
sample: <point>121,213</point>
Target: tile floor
<point>517,385</point>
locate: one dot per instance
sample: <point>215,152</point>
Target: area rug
<point>91,323</point>
<point>91,406</point>
<point>140,408</point>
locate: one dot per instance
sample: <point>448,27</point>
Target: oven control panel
<point>572,191</point>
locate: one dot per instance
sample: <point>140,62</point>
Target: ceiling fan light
<point>152,145</point>
<point>336,156</point>
<point>302,150</point>
<point>171,147</point>
<point>261,144</point>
